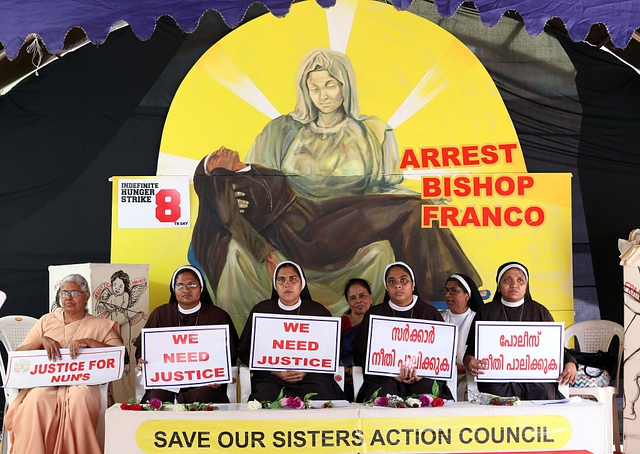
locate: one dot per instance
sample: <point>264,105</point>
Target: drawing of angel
<point>117,300</point>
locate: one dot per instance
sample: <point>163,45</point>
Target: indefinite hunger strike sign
<point>92,366</point>
<point>288,342</point>
<point>185,356</point>
<point>524,351</point>
<point>153,203</point>
<point>425,345</point>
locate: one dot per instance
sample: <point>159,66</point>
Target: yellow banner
<point>352,435</point>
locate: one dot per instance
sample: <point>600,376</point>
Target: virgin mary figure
<point>321,188</point>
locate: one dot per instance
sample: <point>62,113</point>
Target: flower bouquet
<point>477,397</point>
<point>196,406</point>
<point>413,401</point>
<point>155,404</point>
<point>152,405</point>
<point>282,401</point>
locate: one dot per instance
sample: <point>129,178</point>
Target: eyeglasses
<point>190,285</point>
<point>451,290</point>
<point>74,294</point>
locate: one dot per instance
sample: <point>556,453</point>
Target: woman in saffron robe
<point>62,419</point>
<point>323,189</point>
<point>290,296</point>
<point>512,303</point>
<point>400,301</point>
<point>189,305</point>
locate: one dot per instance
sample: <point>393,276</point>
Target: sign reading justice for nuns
<point>425,345</point>
<point>157,203</point>
<point>186,356</point>
<point>92,366</point>
<point>290,342</point>
<point>523,351</point>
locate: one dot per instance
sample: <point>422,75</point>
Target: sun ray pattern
<point>170,164</point>
<point>223,69</point>
<point>340,21</point>
<point>431,84</point>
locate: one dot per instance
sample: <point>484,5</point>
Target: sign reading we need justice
<point>287,342</point>
<point>186,356</point>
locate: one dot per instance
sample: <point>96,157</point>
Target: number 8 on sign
<point>167,205</point>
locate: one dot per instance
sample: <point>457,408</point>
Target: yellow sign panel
<point>441,434</point>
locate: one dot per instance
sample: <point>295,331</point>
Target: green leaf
<point>373,397</point>
<point>309,396</point>
<point>435,389</point>
<point>132,400</point>
<point>281,395</point>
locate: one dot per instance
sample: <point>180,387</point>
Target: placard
<point>425,345</point>
<point>288,342</point>
<point>92,366</point>
<point>523,351</point>
<point>157,203</point>
<point>186,356</point>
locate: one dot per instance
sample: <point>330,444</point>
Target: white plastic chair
<point>594,335</point>
<point>13,330</point>
<point>245,381</point>
<point>232,388</point>
<point>358,381</point>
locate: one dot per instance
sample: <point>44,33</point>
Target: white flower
<point>412,401</point>
<point>179,408</point>
<point>254,405</point>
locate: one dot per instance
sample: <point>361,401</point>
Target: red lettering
<point>470,155</point>
<point>429,213</point>
<point>296,327</point>
<point>509,218</point>
<point>179,339</point>
<point>489,154</point>
<point>486,216</point>
<point>508,149</point>
<point>524,182</point>
<point>448,216</point>
<point>409,159</point>
<point>450,154</point>
<point>429,158</point>
<point>431,187</point>
<point>529,216</point>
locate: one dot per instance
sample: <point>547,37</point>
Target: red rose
<point>192,408</point>
<point>437,402</point>
<point>125,406</point>
<point>400,405</point>
<point>136,407</point>
<point>416,406</point>
<point>209,408</point>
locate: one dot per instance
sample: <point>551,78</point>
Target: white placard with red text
<point>288,342</point>
<point>425,345</point>
<point>153,203</point>
<point>92,366</point>
<point>520,351</point>
<point>186,356</point>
